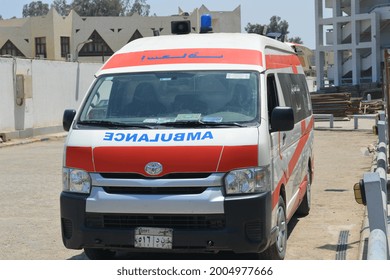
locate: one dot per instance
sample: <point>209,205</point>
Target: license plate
<point>146,237</point>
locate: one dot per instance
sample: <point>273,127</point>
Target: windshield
<point>173,98</point>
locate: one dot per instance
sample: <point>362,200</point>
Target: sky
<point>300,17</point>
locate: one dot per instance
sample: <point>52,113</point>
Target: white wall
<point>7,114</point>
<point>50,87</point>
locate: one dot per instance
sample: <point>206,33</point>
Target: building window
<point>136,35</point>
<point>10,49</point>
<point>40,47</point>
<point>98,47</point>
<point>65,46</point>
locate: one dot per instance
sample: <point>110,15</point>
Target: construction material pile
<point>371,106</point>
<point>338,104</point>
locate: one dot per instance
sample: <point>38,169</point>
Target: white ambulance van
<point>189,143</point>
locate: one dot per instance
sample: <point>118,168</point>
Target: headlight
<point>76,180</point>
<point>247,181</point>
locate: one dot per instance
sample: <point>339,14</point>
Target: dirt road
<point>30,177</point>
<point>341,158</point>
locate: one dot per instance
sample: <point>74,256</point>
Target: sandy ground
<point>30,177</point>
<point>341,158</point>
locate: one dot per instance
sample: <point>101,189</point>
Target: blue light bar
<point>206,23</point>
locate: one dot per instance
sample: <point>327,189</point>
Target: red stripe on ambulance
<point>79,157</point>
<point>282,61</point>
<point>174,159</point>
<point>180,56</point>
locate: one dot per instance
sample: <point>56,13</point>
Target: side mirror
<point>282,119</point>
<point>67,119</point>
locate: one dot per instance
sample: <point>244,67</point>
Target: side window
<point>272,94</point>
<point>296,95</point>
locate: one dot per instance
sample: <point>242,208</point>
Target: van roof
<point>198,49</point>
<point>208,40</point>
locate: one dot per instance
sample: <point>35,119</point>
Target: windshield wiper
<point>112,124</point>
<point>199,123</point>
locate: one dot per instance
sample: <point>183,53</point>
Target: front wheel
<point>277,251</point>
<point>304,208</point>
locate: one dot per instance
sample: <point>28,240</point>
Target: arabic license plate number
<point>146,237</point>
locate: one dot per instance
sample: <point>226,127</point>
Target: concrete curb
<point>40,138</point>
<point>365,230</point>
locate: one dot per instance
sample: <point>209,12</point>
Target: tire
<point>277,251</point>
<point>99,254</point>
<point>304,208</point>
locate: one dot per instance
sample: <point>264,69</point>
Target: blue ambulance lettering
<point>158,137</point>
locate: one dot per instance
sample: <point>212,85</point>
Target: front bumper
<point>245,227</point>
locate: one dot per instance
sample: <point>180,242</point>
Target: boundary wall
<point>35,93</point>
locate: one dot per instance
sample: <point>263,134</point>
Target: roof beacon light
<point>205,24</point>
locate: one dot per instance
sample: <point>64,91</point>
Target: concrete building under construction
<point>351,37</point>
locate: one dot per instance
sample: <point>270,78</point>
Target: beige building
<point>94,39</point>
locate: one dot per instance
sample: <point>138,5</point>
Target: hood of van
<point>173,151</point>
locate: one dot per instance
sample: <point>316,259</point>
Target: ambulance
<point>189,143</point>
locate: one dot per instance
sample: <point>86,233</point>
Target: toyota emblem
<point>153,168</point>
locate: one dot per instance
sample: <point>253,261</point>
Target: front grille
<point>124,221</point>
<point>155,190</point>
